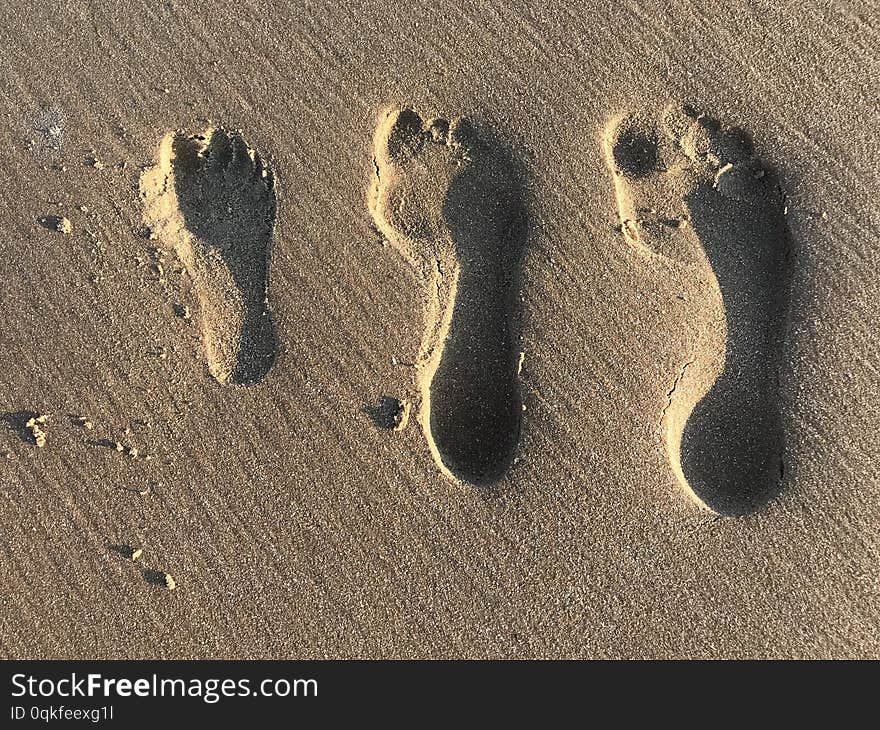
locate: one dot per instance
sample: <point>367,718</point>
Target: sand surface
<point>239,441</point>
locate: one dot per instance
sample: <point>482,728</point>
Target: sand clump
<point>36,426</point>
<point>58,223</point>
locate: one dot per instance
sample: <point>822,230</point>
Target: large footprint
<point>451,203</point>
<point>692,192</point>
<point>212,198</point>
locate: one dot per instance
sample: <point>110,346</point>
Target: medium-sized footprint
<point>450,201</point>
<point>692,192</point>
<point>212,198</point>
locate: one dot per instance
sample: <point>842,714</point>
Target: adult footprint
<point>451,203</point>
<point>692,192</point>
<point>212,198</point>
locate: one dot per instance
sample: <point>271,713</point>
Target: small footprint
<point>691,192</point>
<point>212,198</point>
<point>450,201</point>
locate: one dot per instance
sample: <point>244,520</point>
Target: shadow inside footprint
<point>227,198</point>
<point>691,192</point>
<point>450,198</point>
<point>476,407</point>
<point>732,444</point>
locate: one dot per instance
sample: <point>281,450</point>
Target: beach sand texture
<point>488,330</point>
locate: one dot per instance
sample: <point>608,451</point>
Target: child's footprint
<point>692,192</point>
<point>212,198</point>
<point>451,202</point>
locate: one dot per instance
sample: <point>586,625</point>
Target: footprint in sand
<point>212,198</point>
<point>692,193</point>
<point>450,201</point>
